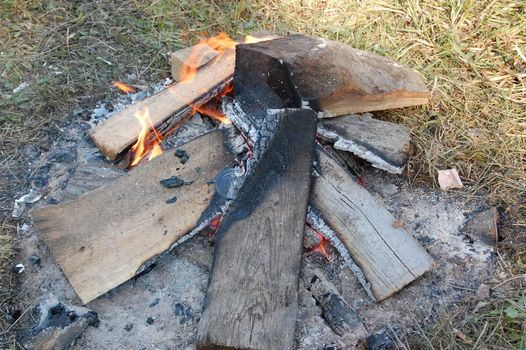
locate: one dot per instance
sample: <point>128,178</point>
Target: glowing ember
<point>322,246</point>
<point>149,140</point>
<point>214,224</point>
<point>127,89</point>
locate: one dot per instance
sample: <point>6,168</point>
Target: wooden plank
<point>389,256</point>
<point>251,301</point>
<point>102,238</point>
<point>384,144</point>
<point>166,108</point>
<point>328,76</point>
<point>191,58</point>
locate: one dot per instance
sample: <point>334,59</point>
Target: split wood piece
<point>385,145</point>
<point>335,310</point>
<point>326,75</point>
<point>103,238</point>
<point>251,301</point>
<point>388,256</point>
<point>167,109</point>
<point>191,59</point>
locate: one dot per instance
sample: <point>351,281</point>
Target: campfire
<point>276,177</point>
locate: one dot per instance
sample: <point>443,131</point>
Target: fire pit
<point>257,161</point>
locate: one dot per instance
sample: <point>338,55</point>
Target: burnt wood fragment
<point>174,182</point>
<point>335,309</point>
<point>385,145</point>
<point>251,301</point>
<point>325,75</point>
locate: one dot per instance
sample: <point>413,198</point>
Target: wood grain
<point>389,257</point>
<point>251,301</point>
<point>191,58</point>
<point>102,238</point>
<point>167,108</point>
<point>384,144</point>
<point>327,76</point>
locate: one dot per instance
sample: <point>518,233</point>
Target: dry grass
<point>471,53</point>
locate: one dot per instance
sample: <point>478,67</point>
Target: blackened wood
<point>251,301</point>
<point>389,256</point>
<point>385,145</point>
<point>483,227</point>
<point>326,75</point>
<point>335,309</point>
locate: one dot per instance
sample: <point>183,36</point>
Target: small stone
<point>128,327</point>
<point>483,291</point>
<point>155,302</point>
<point>174,182</point>
<point>449,179</point>
<point>34,260</point>
<point>171,200</point>
<point>150,320</point>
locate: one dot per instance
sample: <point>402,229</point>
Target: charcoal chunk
<point>182,155</point>
<point>174,182</point>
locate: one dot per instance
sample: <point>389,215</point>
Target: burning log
<point>251,301</point>
<point>191,58</point>
<point>388,256</point>
<point>105,237</point>
<point>384,144</point>
<point>325,75</point>
<point>167,109</point>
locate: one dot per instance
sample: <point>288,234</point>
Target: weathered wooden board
<point>166,108</point>
<point>384,144</point>
<point>251,302</point>
<point>102,238</point>
<point>389,256</point>
<point>191,58</point>
<point>89,177</point>
<point>327,76</point>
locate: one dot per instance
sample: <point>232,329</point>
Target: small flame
<point>220,44</point>
<point>322,246</point>
<point>127,89</point>
<point>149,139</point>
<point>216,113</point>
<point>146,145</point>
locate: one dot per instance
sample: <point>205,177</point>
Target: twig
<point>481,334</point>
<point>422,331</point>
<point>509,280</point>
<point>22,315</point>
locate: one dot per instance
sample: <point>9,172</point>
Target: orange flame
<point>322,246</point>
<point>123,87</point>
<point>146,145</point>
<point>219,44</point>
<point>149,139</point>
